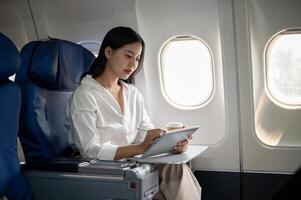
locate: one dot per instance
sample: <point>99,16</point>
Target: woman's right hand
<point>151,137</point>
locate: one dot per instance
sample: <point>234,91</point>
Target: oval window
<point>186,72</point>
<point>283,68</point>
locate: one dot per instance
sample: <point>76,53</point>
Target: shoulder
<point>87,89</point>
<point>83,92</point>
<point>83,97</point>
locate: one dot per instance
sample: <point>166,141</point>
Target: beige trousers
<point>177,182</point>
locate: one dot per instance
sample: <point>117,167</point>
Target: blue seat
<point>50,71</point>
<point>13,184</point>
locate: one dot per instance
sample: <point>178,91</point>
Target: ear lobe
<point>108,52</point>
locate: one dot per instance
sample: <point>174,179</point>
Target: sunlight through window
<point>283,68</point>
<point>186,69</point>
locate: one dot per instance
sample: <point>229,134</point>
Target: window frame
<point>92,42</point>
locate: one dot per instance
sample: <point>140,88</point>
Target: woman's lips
<point>127,71</point>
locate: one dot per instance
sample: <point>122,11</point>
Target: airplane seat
<point>13,184</point>
<point>50,71</point>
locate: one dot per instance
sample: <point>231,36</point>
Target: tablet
<point>165,143</point>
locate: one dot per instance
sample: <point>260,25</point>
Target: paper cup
<point>174,125</point>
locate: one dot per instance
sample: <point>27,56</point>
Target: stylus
<point>142,129</point>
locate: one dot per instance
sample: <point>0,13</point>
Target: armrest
<point>95,166</point>
<point>80,166</point>
<point>81,179</point>
<point>55,165</point>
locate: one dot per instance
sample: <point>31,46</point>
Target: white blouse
<point>95,123</point>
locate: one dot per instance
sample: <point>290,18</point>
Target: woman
<point>104,114</point>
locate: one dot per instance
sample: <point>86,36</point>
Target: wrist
<point>142,148</point>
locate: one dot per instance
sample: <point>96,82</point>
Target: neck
<point>108,80</point>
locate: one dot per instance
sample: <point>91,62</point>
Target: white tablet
<point>165,143</point>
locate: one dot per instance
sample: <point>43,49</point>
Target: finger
<point>157,135</point>
<point>176,149</point>
<point>180,149</point>
<point>161,133</point>
<point>158,132</point>
<point>184,142</point>
<point>154,135</point>
<point>180,146</point>
<point>184,148</point>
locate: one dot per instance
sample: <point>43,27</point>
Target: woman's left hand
<point>182,146</point>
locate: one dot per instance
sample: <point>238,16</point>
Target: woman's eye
<point>128,56</point>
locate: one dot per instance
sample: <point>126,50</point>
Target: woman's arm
<point>128,151</point>
<point>136,149</point>
<point>82,116</point>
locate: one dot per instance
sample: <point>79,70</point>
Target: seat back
<point>13,184</point>
<point>50,71</point>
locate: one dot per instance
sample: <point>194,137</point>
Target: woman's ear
<point>108,52</point>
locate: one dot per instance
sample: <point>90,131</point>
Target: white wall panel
<point>275,125</point>
<point>158,21</point>
<point>256,22</point>
<point>16,22</point>
<point>77,20</point>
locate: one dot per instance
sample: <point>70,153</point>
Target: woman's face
<point>124,61</point>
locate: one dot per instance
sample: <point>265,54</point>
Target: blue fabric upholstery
<point>50,71</point>
<point>9,58</point>
<point>13,184</point>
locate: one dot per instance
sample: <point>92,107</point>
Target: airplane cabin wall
<point>159,21</point>
<point>84,21</point>
<point>77,20</point>
<point>16,22</point>
<point>236,31</point>
<point>256,22</point>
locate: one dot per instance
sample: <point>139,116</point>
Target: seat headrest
<point>9,57</point>
<point>58,64</point>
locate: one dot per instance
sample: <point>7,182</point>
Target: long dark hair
<point>116,38</point>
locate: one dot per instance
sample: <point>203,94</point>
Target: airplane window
<point>91,45</point>
<point>283,69</point>
<point>186,72</point>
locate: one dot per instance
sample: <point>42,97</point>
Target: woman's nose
<point>132,64</point>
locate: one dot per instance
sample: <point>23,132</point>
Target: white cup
<point>174,125</point>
